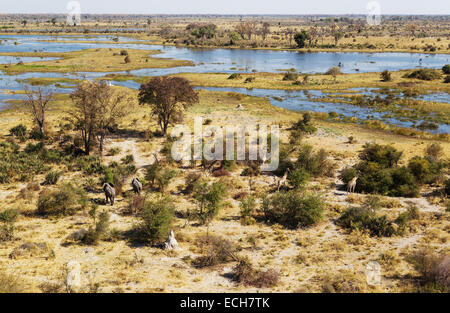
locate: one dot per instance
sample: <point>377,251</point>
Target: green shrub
<point>36,134</point>
<point>100,229</point>
<point>89,164</point>
<point>304,125</point>
<point>366,219</point>
<point>298,178</point>
<point>387,156</point>
<point>34,148</point>
<point>386,76</point>
<point>317,164</point>
<point>52,178</point>
<point>128,159</point>
<point>290,76</point>
<point>446,69</point>
<point>156,220</point>
<point>209,199</point>
<point>424,74</point>
<point>113,151</point>
<point>412,213</point>
<point>447,187</point>
<point>293,210</point>
<point>19,131</point>
<point>66,200</point>
<point>397,182</point>
<point>235,76</point>
<point>447,79</point>
<point>164,177</point>
<point>247,206</point>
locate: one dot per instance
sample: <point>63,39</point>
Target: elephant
<point>110,192</point>
<point>137,185</point>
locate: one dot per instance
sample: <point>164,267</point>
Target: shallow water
<point>231,61</point>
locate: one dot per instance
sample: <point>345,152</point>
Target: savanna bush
<point>8,218</point>
<point>215,250</point>
<point>63,201</point>
<point>434,270</point>
<point>365,218</point>
<point>298,178</point>
<point>209,198</point>
<point>317,164</point>
<point>156,220</point>
<point>52,178</point>
<point>19,131</point>
<point>424,74</point>
<point>244,273</point>
<point>247,205</point>
<point>293,210</point>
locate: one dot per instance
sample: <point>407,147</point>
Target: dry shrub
<point>28,192</point>
<point>9,283</point>
<point>353,198</point>
<point>245,273</point>
<point>32,249</point>
<point>136,204</point>
<point>434,270</point>
<point>345,282</point>
<point>220,172</point>
<point>190,182</point>
<point>216,250</point>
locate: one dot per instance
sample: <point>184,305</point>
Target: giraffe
<point>282,180</point>
<point>352,184</point>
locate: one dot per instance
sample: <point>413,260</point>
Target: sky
<point>300,7</point>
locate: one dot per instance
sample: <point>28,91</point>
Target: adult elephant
<point>110,193</point>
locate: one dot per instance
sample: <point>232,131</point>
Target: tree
<point>300,38</point>
<point>24,23</point>
<point>265,30</point>
<point>246,28</point>
<point>112,107</point>
<point>36,103</point>
<point>336,33</point>
<point>385,76</point>
<point>97,109</point>
<point>168,98</point>
<point>313,33</point>
<point>53,21</point>
<point>290,33</point>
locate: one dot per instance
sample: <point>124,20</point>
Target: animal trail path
<point>131,146</point>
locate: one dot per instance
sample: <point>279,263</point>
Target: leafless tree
<point>36,102</point>
<point>97,109</point>
<point>265,30</point>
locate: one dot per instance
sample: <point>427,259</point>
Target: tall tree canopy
<point>168,98</point>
